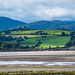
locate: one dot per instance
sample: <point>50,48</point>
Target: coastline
<point>29,50</point>
<point>39,53</point>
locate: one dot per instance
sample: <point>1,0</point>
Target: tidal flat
<point>37,61</point>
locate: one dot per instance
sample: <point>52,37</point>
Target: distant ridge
<point>8,23</point>
<point>52,25</point>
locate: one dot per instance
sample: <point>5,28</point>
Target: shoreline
<point>40,53</point>
<point>31,50</point>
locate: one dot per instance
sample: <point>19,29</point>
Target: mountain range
<point>8,23</point>
<point>70,25</point>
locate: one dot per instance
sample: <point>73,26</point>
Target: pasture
<point>52,41</point>
<point>49,32</point>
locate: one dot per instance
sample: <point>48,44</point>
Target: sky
<point>34,10</point>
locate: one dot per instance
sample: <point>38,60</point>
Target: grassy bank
<point>37,73</point>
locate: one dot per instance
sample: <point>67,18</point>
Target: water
<point>62,63</point>
<point>37,62</point>
<point>19,62</point>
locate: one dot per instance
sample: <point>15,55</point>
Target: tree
<point>0,32</point>
<point>49,47</point>
<point>20,29</point>
<point>41,47</point>
<point>25,37</point>
<point>25,28</point>
<point>63,34</point>
<point>27,47</point>
<point>4,45</point>
<point>72,33</point>
<point>7,32</point>
<point>16,45</point>
<point>72,36</point>
<point>32,47</point>
<point>10,38</point>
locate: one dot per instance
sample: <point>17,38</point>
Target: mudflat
<point>39,56</point>
<point>52,56</point>
<point>39,53</point>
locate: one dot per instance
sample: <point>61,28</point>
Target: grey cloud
<point>33,10</point>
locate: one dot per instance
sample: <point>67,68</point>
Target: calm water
<point>31,62</point>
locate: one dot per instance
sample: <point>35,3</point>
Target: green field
<point>29,42</point>
<point>50,32</point>
<point>24,32</point>
<point>52,41</point>
<point>29,36</point>
<point>57,32</point>
<point>12,42</point>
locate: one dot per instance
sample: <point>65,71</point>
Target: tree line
<point>72,40</point>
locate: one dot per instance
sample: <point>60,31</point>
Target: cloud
<point>34,10</point>
<point>50,14</point>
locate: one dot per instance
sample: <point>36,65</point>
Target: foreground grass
<point>22,70</point>
<point>37,73</point>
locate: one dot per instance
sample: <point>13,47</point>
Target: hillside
<point>37,38</point>
<point>52,25</point>
<point>7,23</point>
